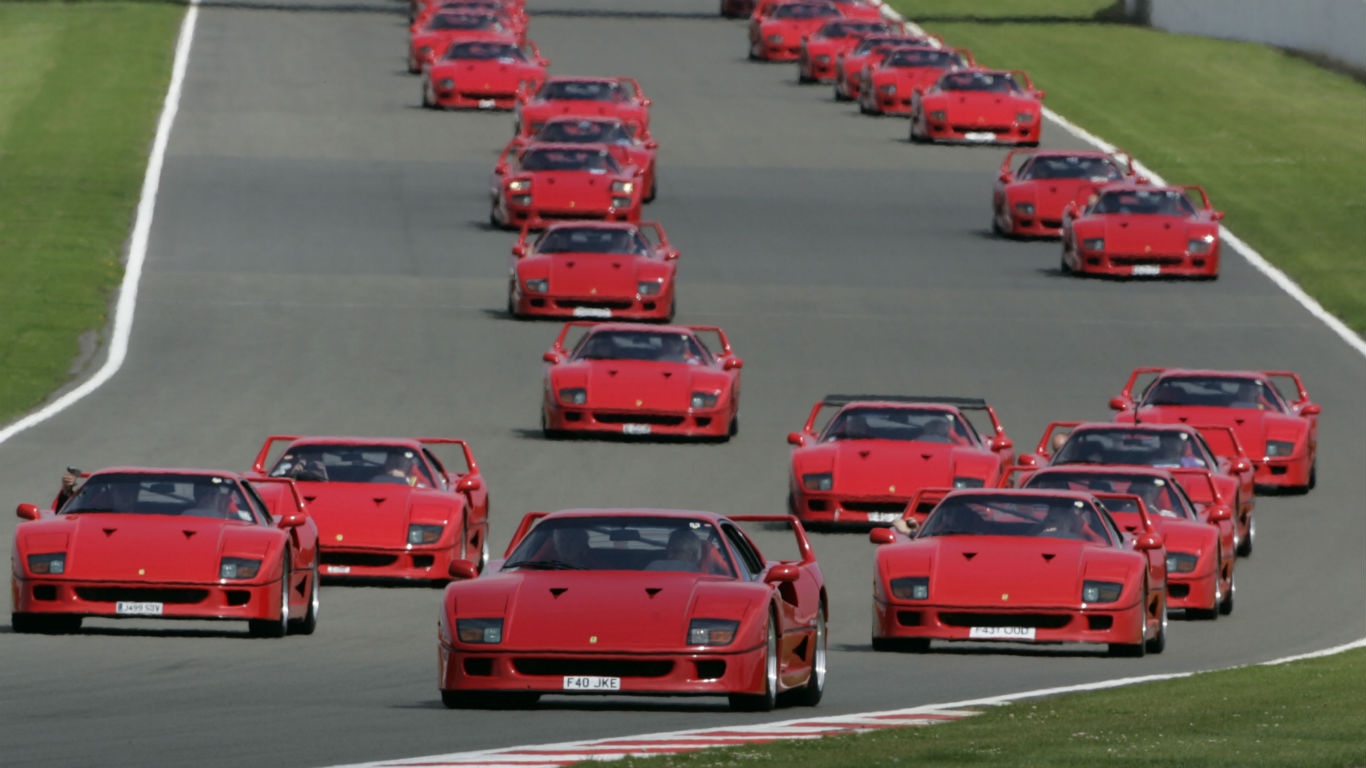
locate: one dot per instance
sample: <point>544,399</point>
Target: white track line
<point>137,244</point>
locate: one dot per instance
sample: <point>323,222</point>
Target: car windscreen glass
<point>651,346</point>
<point>343,463</point>
<point>622,543</point>
<point>923,425</point>
<point>592,240</point>
<point>161,494</point>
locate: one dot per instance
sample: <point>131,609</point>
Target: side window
<point>749,560</point>
<point>437,465</point>
<point>1206,455</point>
<point>1187,506</point>
<point>1116,538</point>
<point>257,504</point>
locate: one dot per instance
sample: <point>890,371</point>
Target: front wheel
<point>309,622</point>
<point>810,694</point>
<point>763,702</point>
<point>1245,544</point>
<point>1226,604</point>
<point>277,627</point>
<point>1159,641</point>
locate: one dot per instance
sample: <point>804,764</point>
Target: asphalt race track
<point>319,264</point>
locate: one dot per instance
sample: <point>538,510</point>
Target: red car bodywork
<point>439,31</point>
<point>777,27</point>
<point>630,144</point>
<point>543,182</point>
<point>980,106</point>
<point>849,64</point>
<point>376,526</point>
<point>886,83</point>
<point>876,452</point>
<point>630,379</point>
<point>1035,185</point>
<point>1133,230</point>
<point>483,74</point>
<point>583,97</point>
<point>816,59</point>
<point>726,623</point>
<point>982,567</point>
<point>134,542</point>
<point>1280,436</point>
<point>864,10</point>
<point>515,10</point>
<point>1198,540</point>
<point>1181,448</point>
<point>594,269</point>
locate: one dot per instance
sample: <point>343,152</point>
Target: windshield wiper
<point>543,565</point>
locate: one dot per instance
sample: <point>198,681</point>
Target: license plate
<point>884,517</point>
<point>586,683</point>
<point>1001,633</point>
<point>1147,270</point>
<point>487,103</point>
<point>979,136</point>
<point>592,312</point>
<point>635,429</point>
<point>129,608</point>
<point>338,568</point>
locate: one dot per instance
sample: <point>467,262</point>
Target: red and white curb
<point>618,747</point>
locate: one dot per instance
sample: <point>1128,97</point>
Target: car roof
<point>653,327</point>
<point>673,514</point>
<point>1021,492</point>
<point>1146,426</point>
<point>628,226</point>
<point>406,442</point>
<point>1212,373</point>
<point>187,471</point>
<point>1103,469</point>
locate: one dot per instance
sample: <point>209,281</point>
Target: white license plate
<point>129,608</point>
<point>586,683</point>
<point>884,517</point>
<point>635,429</point>
<point>592,312</point>
<point>1001,633</point>
<point>979,136</point>
<point>1147,270</point>
<point>487,103</point>
<point>338,568</point>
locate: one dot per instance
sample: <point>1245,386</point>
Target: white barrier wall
<point>1333,28</point>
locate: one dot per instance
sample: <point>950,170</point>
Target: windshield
<point>582,90</point>
<point>1149,448</point>
<point>1145,202</point>
<point>1072,167</point>
<point>987,82</point>
<point>921,425</point>
<point>1162,497</point>
<point>652,346</point>
<point>1015,515</point>
<point>384,464</point>
<point>621,543</point>
<point>592,240</point>
<point>804,11</point>
<point>589,160</point>
<point>924,58</point>
<point>851,28</point>
<point>585,132</point>
<point>1213,392</point>
<point>161,494</point>
<point>503,52</point>
<point>462,21</point>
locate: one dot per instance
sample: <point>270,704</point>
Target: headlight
<point>1279,448</point>
<point>888,88</point>
<point>968,482</point>
<point>822,59</point>
<point>238,568</point>
<point>479,630</point>
<point>423,51</point>
<point>621,202</point>
<point>574,395</point>
<point>913,588</point>
<point>1180,562</point>
<point>939,114</point>
<point>424,534</point>
<point>704,399</point>
<point>1093,244</point>
<point>648,287</point>
<point>1024,117</point>
<point>775,38</point>
<point>1100,591</point>
<point>540,285</point>
<point>1200,244</point>
<point>711,631</point>
<point>520,199</point>
<point>623,187</point>
<point>1026,209</point>
<point>446,83</point>
<point>54,563</point>
<point>818,481</point>
<point>519,185</point>
<point>536,127</point>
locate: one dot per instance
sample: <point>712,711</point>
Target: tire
<point>44,623</point>
<point>654,189</point>
<point>1211,613</point>
<point>839,94</point>
<point>275,627</point>
<point>763,702</point>
<point>309,622</point>
<point>1159,643</point>
<point>810,694</point>
<point>546,431</point>
<point>1245,545</point>
<point>734,426</point>
<point>1226,605</point>
<point>1062,264</point>
<point>1134,650</point>
<point>996,224</point>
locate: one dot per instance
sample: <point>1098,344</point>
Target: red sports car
<point>1035,185</point>
<point>859,9</point>
<point>541,182</point>
<point>886,84</point>
<point>1132,230</point>
<point>1167,446</point>
<point>849,64</point>
<point>638,602</point>
<point>594,269</point>
<point>1281,435</point>
<point>630,144</point>
<point>816,59</point>
<point>515,10</point>
<point>632,379</point>
<point>777,27</point>
<point>583,97</point>
<point>386,508</point>
<point>135,542</point>
<point>441,30</point>
<point>1199,543</point>
<point>483,74</point>
<point>979,106</point>
<point>877,451</point>
<point>1021,566</point>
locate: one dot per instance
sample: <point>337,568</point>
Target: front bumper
<point>132,599</point>
<point>364,563</point>
<point>1051,624</point>
<point>1148,264</point>
<point>698,422</point>
<point>632,307</point>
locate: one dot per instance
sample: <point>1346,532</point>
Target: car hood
<point>1050,196</point>
<point>632,384</point>
<point>372,514</point>
<point>585,274</point>
<point>879,467</point>
<point>1252,426</point>
<point>1135,233</point>
<point>990,108</point>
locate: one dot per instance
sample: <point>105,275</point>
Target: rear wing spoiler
<point>923,503</point>
<point>529,521</point>
<point>789,521</point>
<point>1129,500</point>
<point>299,506</point>
<point>1198,484</point>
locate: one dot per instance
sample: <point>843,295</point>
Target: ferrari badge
<point>891,489</point>
<point>640,403</point>
<point>592,638</point>
<point>339,537</point>
<point>1005,596</point>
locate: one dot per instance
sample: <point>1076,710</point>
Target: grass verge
<point>82,87</point>
<point>1308,713</point>
<point>1278,142</point>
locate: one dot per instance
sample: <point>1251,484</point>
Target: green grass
<point>1278,142</point>
<point>81,86</point>
<point>1310,713</point>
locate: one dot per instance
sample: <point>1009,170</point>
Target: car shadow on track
<point>612,704</point>
<point>943,648</point>
<point>225,633</point>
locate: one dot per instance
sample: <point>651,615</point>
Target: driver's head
<point>570,542</point>
<point>684,545</point>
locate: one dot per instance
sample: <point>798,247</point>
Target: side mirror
<point>647,101</point>
<point>1147,542</point>
<point>882,536</point>
<point>1039,95</point>
<point>1005,178</point>
<point>1142,180</point>
<point>1312,409</point>
<point>1217,216</point>
<point>639,172</point>
<point>733,364</point>
<point>462,569</point>
<point>28,512</point>
<point>1000,443</point>
<point>1219,512</point>
<point>293,520</point>
<point>501,169</point>
<point>1027,460</point>
<point>671,254</point>
<point>468,484</point>
<point>796,438</point>
<point>519,251</point>
<point>551,357</point>
<point>652,144</point>
<point>1119,404</point>
<point>1240,465</point>
<point>543,62</point>
<point>782,573</point>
